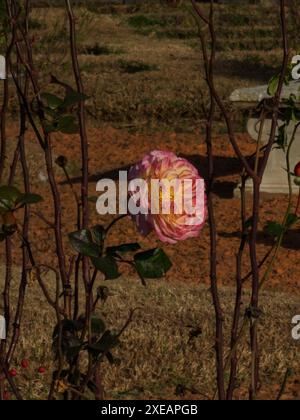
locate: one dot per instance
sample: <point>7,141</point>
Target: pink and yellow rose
<point>178,224</point>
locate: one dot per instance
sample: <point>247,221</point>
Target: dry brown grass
<point>169,92</point>
<point>156,354</point>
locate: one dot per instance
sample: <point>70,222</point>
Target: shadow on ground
<point>224,166</point>
<point>245,69</point>
<point>291,240</point>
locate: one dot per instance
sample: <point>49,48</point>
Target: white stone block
<point>275,176</point>
<point>2,328</point>
<point>2,68</point>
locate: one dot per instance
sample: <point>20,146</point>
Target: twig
<point>209,72</point>
<point>284,384</point>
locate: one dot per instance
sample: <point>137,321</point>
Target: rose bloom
<point>172,223</point>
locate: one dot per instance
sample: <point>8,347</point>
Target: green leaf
<point>52,101</point>
<point>111,359</point>
<point>249,223</point>
<point>71,347</point>
<point>114,250</point>
<point>292,219</point>
<point>9,193</point>
<point>82,242</point>
<point>50,112</point>
<point>108,341</point>
<point>8,198</point>
<point>273,85</point>
<point>70,344</point>
<point>50,128</point>
<point>67,124</point>
<point>107,266</point>
<point>68,327</point>
<point>152,264</point>
<point>282,138</point>
<point>274,229</point>
<point>73,98</point>
<point>97,325</point>
<point>29,199</point>
<point>98,233</point>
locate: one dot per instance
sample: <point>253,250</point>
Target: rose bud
<point>297,170</point>
<point>13,373</point>
<point>61,161</point>
<point>9,223</point>
<point>25,364</point>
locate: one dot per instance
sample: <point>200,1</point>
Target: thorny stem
<point>209,71</point>
<point>25,231</point>
<point>255,288</point>
<point>85,176</point>
<point>238,299</point>
<point>239,279</point>
<point>256,200</point>
<point>84,148</point>
<point>284,384</point>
